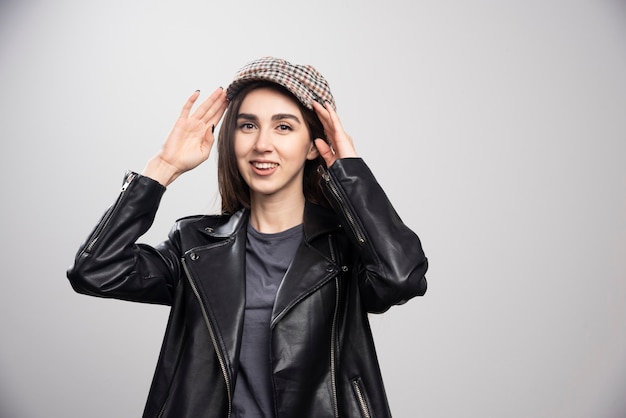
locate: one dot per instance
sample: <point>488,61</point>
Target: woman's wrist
<point>161,171</point>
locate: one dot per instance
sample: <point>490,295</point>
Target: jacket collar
<point>318,220</point>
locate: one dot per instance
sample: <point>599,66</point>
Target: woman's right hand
<point>190,141</point>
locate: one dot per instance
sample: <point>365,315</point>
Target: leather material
<point>355,259</point>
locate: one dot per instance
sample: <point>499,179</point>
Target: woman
<point>269,300</point>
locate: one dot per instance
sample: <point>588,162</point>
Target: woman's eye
<point>284,127</point>
<point>246,126</point>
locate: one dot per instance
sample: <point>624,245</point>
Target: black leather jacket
<point>355,259</point>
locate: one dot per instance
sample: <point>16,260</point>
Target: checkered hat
<point>303,81</point>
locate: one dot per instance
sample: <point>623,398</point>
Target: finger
<point>326,151</point>
<point>324,117</point>
<point>334,118</point>
<point>322,114</point>
<point>221,107</point>
<point>215,113</point>
<point>218,96</point>
<point>332,125</point>
<point>189,103</point>
<point>215,118</point>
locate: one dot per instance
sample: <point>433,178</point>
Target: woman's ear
<point>313,152</point>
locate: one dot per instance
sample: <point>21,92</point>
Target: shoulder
<point>319,220</point>
<point>216,225</point>
<point>191,220</point>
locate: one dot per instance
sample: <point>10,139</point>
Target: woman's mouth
<point>264,166</point>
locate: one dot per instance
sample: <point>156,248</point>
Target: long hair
<point>234,192</point>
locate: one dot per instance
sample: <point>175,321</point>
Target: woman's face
<point>272,143</point>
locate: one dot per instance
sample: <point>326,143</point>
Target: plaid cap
<point>303,81</point>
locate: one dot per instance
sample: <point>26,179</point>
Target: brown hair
<point>234,191</point>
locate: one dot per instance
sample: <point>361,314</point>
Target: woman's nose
<point>263,141</point>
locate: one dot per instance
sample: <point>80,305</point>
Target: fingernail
<point>198,91</point>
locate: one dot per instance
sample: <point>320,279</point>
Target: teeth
<point>264,166</point>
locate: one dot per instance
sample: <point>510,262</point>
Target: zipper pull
<point>323,172</point>
<point>129,180</point>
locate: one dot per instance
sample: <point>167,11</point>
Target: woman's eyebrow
<point>247,116</point>
<point>281,116</point>
<point>276,117</point>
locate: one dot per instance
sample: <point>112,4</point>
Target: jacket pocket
<point>361,398</point>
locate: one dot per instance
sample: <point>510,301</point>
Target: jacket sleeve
<point>394,264</point>
<point>111,264</point>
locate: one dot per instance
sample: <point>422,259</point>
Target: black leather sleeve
<point>111,264</point>
<point>394,264</point>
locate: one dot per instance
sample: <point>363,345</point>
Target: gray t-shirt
<point>267,258</point>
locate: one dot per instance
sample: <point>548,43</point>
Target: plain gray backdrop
<point>497,128</point>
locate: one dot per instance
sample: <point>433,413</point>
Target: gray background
<point>498,129</point>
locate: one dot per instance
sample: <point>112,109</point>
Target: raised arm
<point>111,263</point>
<point>191,139</point>
<point>394,264</point>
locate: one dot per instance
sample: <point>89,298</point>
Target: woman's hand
<point>190,141</point>
<point>339,143</point>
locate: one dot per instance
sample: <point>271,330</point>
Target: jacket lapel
<point>218,270</point>
<point>312,266</point>
<point>308,271</point>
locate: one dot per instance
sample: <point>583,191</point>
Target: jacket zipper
<point>335,192</point>
<point>333,342</point>
<point>361,398</point>
<point>103,224</point>
<point>333,378</point>
<point>220,357</point>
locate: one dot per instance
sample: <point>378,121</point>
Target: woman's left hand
<point>339,143</point>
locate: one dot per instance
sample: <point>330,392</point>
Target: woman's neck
<point>270,216</point>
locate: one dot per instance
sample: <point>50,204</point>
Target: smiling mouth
<point>264,166</point>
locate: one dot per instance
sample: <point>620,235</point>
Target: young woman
<point>269,300</point>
